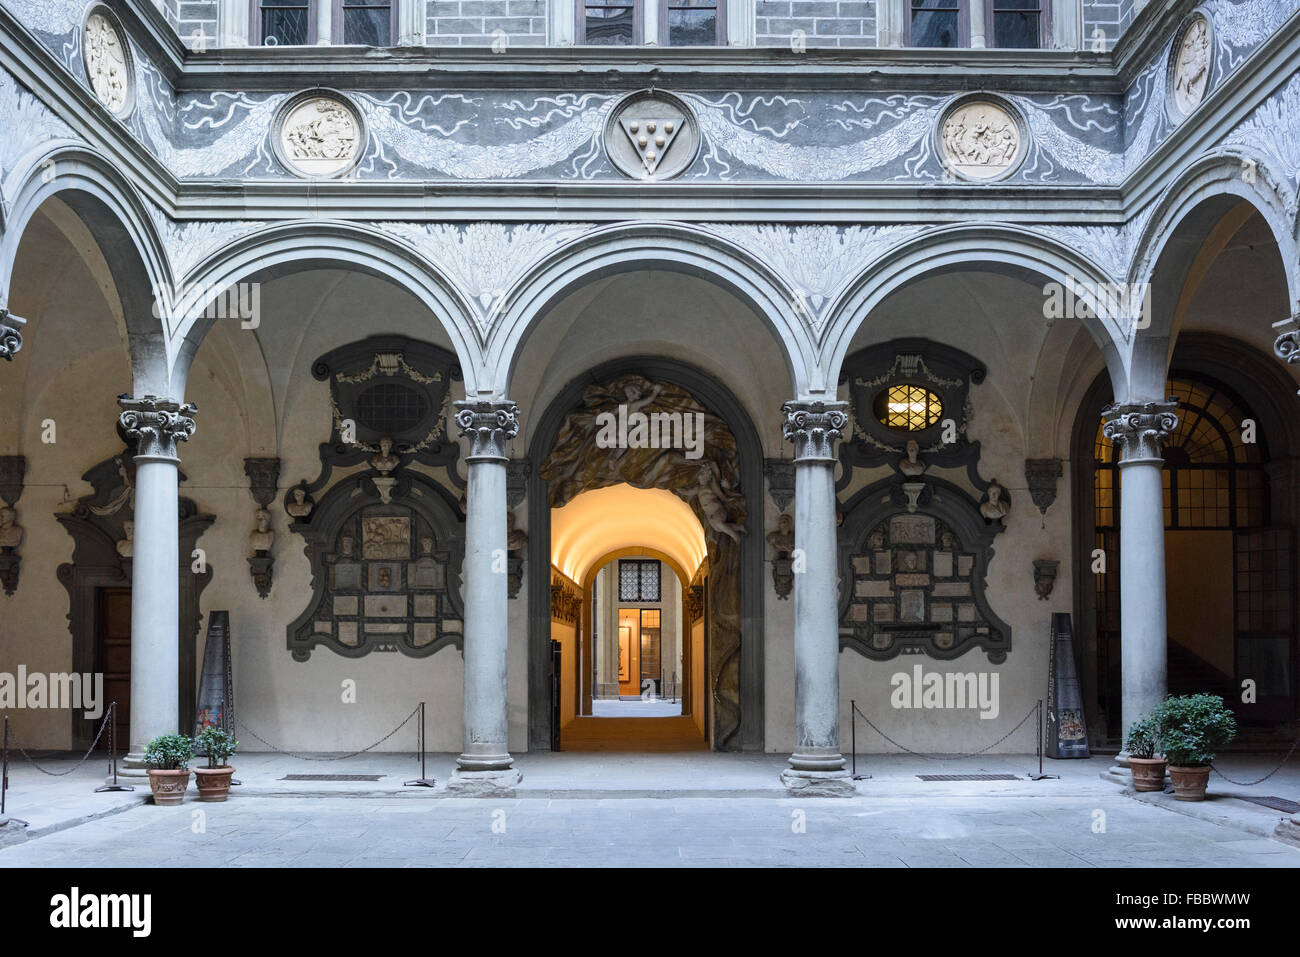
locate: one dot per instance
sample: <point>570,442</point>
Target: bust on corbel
<point>782,542</point>
<point>12,470</point>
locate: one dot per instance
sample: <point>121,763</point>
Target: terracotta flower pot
<point>213,783</point>
<point>168,786</point>
<point>1189,783</point>
<point>1148,773</point>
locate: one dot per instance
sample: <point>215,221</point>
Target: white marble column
<point>816,766</point>
<point>1138,432</point>
<point>158,425</point>
<point>485,765</point>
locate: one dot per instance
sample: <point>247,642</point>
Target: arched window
<point>1212,478</point>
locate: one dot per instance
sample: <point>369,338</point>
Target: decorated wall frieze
<point>566,599</point>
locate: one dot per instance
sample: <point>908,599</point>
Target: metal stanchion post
<point>423,781</point>
<point>112,751</point>
<point>853,739</point>
<point>4,781</point>
<point>1040,776</point>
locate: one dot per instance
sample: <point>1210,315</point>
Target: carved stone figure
<point>980,140</point>
<point>993,507</point>
<point>126,545</point>
<point>261,537</point>
<point>713,503</point>
<point>782,540</point>
<point>1192,67</point>
<point>385,461</point>
<point>516,539</point>
<point>319,136</point>
<point>106,66</point>
<point>911,464</point>
<point>11,533</point>
<point>301,505</point>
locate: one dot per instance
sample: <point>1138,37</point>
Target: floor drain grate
<point>968,777</point>
<point>1276,803</point>
<point>331,777</point>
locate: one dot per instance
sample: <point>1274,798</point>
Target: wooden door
<point>113,658</point>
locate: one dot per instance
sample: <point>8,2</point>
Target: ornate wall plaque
<point>913,581</point>
<point>1190,63</point>
<point>319,134</point>
<point>107,59</point>
<point>981,138</point>
<point>652,135</point>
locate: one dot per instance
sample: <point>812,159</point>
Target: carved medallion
<point>1190,65</point>
<point>652,136</point>
<point>981,139</point>
<point>108,61</point>
<point>319,134</point>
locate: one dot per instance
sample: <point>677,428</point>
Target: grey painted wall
<point>838,23</point>
<point>476,22</point>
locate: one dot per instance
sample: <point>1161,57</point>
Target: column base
<point>818,783</point>
<point>132,766</point>
<point>817,759</point>
<point>1289,830</point>
<point>494,783</point>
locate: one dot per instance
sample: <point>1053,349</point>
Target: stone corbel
<point>1045,577</point>
<point>1041,476</point>
<point>12,470</point>
<point>780,481</point>
<point>11,337</point>
<point>263,480</point>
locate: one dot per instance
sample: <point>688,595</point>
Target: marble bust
<point>301,505</point>
<point>910,464</point>
<point>11,533</point>
<point>782,539</point>
<point>516,539</point>
<point>385,461</point>
<point>993,507</point>
<point>261,537</point>
<point>126,547</point>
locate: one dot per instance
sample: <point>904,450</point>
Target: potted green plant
<point>214,780</point>
<point>167,758</point>
<point>1148,770</point>
<point>1191,729</point>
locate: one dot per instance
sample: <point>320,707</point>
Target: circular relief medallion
<point>1189,65</point>
<point>651,136</point>
<point>981,139</point>
<point>108,61</point>
<point>319,134</point>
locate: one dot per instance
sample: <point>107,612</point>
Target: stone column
<point>485,766</point>
<point>977,23</point>
<point>157,424</point>
<point>1138,432</point>
<point>816,766</point>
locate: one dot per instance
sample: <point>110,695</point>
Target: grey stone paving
<point>937,831</point>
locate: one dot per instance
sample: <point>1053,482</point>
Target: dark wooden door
<point>113,658</point>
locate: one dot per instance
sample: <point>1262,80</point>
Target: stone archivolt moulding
<point>1191,65</point>
<point>981,138</point>
<point>319,134</point>
<point>110,70</point>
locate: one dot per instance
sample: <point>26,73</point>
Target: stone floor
<point>653,810</point>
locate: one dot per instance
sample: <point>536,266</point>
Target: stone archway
<point>723,486</point>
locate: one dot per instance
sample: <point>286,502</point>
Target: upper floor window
<point>352,22</point>
<point>1010,24</point>
<point>681,22</point>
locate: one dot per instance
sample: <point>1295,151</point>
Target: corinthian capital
<point>11,337</point>
<point>813,427</point>
<point>487,425</point>
<point>157,424</point>
<point>1139,430</point>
